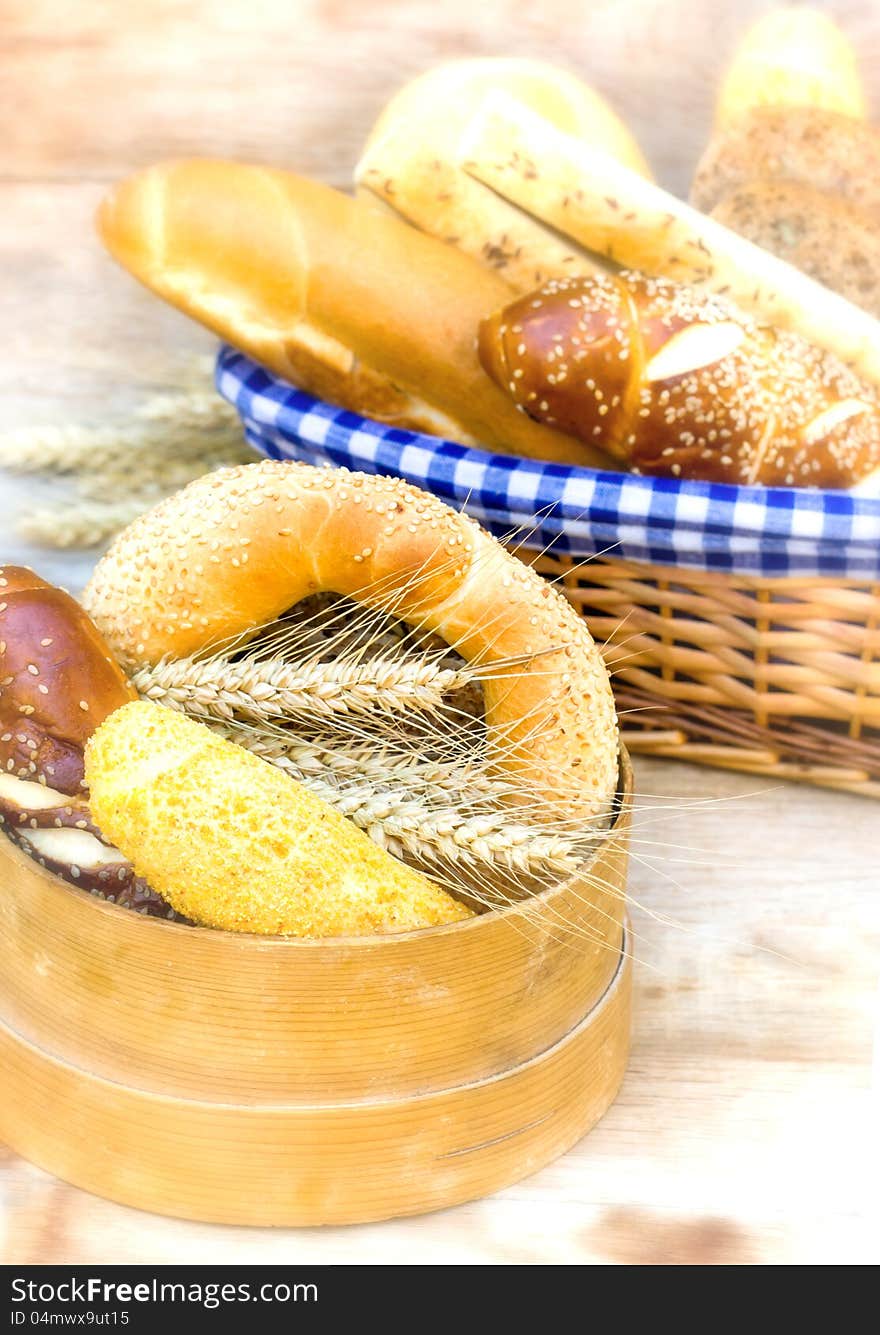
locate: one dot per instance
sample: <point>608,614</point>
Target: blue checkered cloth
<point>578,511</point>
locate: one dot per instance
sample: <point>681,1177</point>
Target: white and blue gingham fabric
<point>578,511</point>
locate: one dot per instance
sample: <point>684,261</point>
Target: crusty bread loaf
<point>820,234</point>
<point>810,145</point>
<point>239,547</point>
<point>792,56</point>
<point>603,205</point>
<point>677,385</point>
<point>412,161</point>
<point>232,842</point>
<point>347,302</point>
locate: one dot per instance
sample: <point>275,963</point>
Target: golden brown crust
<point>57,681</point>
<point>239,547</point>
<point>820,149</point>
<point>677,384</point>
<point>324,290</point>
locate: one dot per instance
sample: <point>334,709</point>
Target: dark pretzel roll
<point>58,681</point>
<point>676,383</point>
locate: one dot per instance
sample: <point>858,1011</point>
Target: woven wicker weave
<point>779,677</point>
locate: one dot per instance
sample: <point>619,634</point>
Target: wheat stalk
<point>156,475</point>
<point>173,439</point>
<point>194,410</point>
<point>449,815</point>
<point>468,783</point>
<point>265,690</point>
<point>409,825</point>
<point>170,427</point>
<point>361,708</point>
<point>83,525</point>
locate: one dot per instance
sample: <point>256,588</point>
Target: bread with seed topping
<point>674,383</point>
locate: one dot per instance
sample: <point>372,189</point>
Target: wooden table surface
<point>743,1130</point>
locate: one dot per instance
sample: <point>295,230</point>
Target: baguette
<point>345,301</point>
<point>587,195</point>
<point>411,162</point>
<point>682,386</point>
<point>792,57</point>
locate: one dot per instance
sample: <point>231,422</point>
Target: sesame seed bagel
<point>239,547</point>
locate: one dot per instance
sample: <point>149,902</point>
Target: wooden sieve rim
<point>615,982</point>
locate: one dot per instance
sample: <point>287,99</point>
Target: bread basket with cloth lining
<point>742,623</point>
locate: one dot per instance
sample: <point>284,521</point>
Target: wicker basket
<point>776,674</point>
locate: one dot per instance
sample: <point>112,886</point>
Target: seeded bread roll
<point>412,162</point>
<point>820,234</point>
<point>676,384</point>
<point>233,843</point>
<point>814,147</point>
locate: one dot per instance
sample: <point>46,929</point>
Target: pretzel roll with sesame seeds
<point>58,682</point>
<point>675,383</point>
<point>239,548</point>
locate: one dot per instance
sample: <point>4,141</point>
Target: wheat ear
<point>174,439</point>
<point>170,428</point>
<point>266,690</point>
<point>81,525</point>
<point>407,825</point>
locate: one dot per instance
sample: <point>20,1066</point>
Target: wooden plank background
<point>742,1131</point>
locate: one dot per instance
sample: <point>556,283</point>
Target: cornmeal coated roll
<point>231,842</point>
